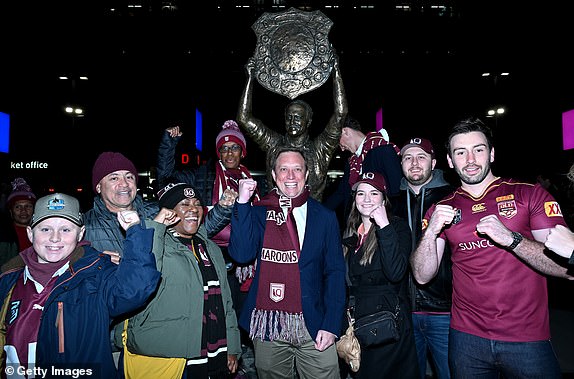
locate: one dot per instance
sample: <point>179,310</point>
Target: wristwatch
<point>516,239</point>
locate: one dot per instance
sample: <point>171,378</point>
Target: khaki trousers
<point>279,360</point>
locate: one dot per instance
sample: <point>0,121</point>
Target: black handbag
<point>378,328</point>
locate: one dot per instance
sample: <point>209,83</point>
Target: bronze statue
<point>298,117</point>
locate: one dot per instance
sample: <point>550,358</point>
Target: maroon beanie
<point>229,133</point>
<point>20,191</point>
<point>109,162</point>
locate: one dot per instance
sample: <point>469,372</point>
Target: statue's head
<point>298,116</point>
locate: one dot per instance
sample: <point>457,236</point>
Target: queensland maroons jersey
<point>23,321</point>
<point>495,294</point>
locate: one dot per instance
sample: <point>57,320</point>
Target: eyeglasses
<point>227,149</point>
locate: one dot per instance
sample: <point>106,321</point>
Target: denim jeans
<point>475,357</point>
<point>431,334</point>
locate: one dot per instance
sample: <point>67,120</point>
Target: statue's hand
<point>335,61</point>
<point>250,66</point>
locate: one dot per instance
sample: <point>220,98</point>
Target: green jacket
<point>170,325</point>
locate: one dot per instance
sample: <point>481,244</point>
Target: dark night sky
<point>147,73</point>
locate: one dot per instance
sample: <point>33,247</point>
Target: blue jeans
<point>470,356</point>
<point>431,334</point>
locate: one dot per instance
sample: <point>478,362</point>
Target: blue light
<point>198,130</point>
<point>4,132</point>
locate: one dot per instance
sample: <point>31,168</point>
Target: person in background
<point>371,152</point>
<point>193,296</point>
<point>421,186</point>
<point>61,294</point>
<point>231,148</point>
<point>201,177</point>
<point>560,239</point>
<point>495,228</point>
<point>13,233</point>
<point>296,302</point>
<point>377,247</point>
<point>298,117</point>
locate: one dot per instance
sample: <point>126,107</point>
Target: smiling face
<point>230,153</point>
<point>118,190</point>
<point>367,198</point>
<point>190,212</point>
<point>55,238</point>
<point>417,165</point>
<point>290,173</point>
<point>471,158</point>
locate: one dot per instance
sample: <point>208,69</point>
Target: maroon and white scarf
<point>41,272</point>
<point>278,312</point>
<point>372,140</point>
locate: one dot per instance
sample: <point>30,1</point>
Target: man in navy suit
<point>295,306</point>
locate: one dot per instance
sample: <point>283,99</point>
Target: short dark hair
<point>467,125</point>
<point>352,123</point>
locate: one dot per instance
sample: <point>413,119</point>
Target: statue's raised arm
<point>328,140</point>
<point>253,127</point>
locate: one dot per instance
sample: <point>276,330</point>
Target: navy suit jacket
<point>321,264</point>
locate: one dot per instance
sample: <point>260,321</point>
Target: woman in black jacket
<point>377,249</point>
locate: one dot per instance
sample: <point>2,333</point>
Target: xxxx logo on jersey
<point>552,209</point>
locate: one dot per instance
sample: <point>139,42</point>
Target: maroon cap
<point>423,143</point>
<point>375,179</point>
<point>109,162</point>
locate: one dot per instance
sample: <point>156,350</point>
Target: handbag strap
<point>351,301</point>
<point>347,268</point>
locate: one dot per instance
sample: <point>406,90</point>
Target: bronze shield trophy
<point>293,54</point>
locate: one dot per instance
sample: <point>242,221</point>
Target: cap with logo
<point>57,205</point>
<point>375,179</point>
<point>423,143</point>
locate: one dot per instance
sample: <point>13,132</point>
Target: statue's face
<point>296,120</point>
